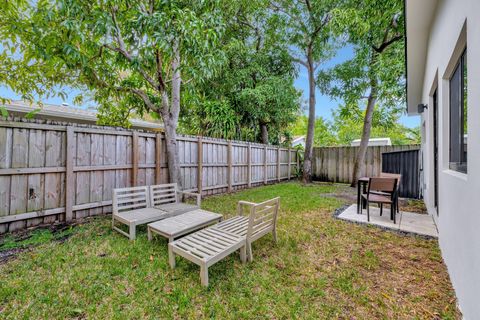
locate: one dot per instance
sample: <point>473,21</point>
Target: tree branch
<point>302,62</point>
<point>387,43</point>
<point>139,92</point>
<point>123,51</point>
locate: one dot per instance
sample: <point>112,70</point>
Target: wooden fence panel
<point>51,172</point>
<point>335,164</point>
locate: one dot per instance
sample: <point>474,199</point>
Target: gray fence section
<point>51,172</point>
<point>405,163</point>
<point>335,164</point>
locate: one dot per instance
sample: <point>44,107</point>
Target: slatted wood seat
<point>167,197</point>
<point>210,245</point>
<point>206,247</point>
<point>237,225</point>
<point>131,206</point>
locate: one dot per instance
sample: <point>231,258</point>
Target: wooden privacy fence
<point>335,164</point>
<point>52,172</point>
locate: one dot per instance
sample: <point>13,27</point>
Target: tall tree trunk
<point>264,132</point>
<point>170,115</point>
<point>172,151</point>
<point>367,127</point>
<point>307,162</point>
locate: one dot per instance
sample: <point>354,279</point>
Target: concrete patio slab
<point>415,223</point>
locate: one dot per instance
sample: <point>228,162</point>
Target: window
<point>458,116</point>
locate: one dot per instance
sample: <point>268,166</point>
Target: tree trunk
<point>367,126</point>
<point>170,120</point>
<point>172,151</point>
<point>307,162</point>
<point>264,132</point>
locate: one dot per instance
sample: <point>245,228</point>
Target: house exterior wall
<point>458,218</point>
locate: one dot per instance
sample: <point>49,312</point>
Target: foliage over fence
<point>336,163</point>
<point>59,171</point>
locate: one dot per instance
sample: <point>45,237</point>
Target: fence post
<point>289,163</point>
<point>158,158</point>
<point>265,180</point>
<point>134,159</point>
<point>200,165</point>
<point>69,177</point>
<point>229,169</point>
<point>249,165</point>
<point>298,161</point>
<point>278,164</point>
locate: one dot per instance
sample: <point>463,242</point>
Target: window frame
<point>458,152</point>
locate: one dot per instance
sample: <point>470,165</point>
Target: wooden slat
<point>135,151</point>
<point>249,166</point>
<point>69,177</point>
<point>229,169</point>
<point>200,165</point>
<point>158,158</point>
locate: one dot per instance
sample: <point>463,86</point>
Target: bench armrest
<point>193,194</point>
<point>242,204</point>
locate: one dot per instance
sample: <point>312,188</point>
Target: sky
<point>323,108</point>
<point>324,104</point>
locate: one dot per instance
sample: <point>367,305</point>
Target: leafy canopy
<point>119,51</point>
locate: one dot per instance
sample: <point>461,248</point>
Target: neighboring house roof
<point>298,139</point>
<point>418,19</point>
<point>70,114</point>
<point>373,142</point>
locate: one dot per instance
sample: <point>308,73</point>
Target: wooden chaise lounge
<point>261,220</point>
<point>208,246</point>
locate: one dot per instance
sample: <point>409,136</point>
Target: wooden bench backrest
<point>127,199</point>
<point>263,218</point>
<point>163,194</point>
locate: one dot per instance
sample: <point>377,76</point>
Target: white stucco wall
<point>459,194</point>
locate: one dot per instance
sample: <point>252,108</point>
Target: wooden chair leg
<point>249,251</point>
<point>274,234</point>
<point>204,275</point>
<point>131,230</point>
<point>149,234</point>
<point>243,254</point>
<point>171,258</point>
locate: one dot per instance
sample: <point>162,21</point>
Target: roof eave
<point>418,20</point>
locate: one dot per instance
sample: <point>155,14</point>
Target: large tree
<point>307,27</point>
<point>375,75</point>
<point>130,54</point>
<point>253,97</point>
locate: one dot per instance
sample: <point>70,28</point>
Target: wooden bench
<point>131,206</point>
<point>208,246</point>
<point>167,197</point>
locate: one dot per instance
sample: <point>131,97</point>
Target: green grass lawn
<point>321,268</point>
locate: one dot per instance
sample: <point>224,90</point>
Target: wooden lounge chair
<point>208,246</point>
<point>131,206</point>
<point>378,185</point>
<point>262,219</point>
<point>167,197</point>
